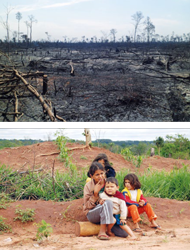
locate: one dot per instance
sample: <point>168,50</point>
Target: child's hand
<point>101,201</point>
<point>123,222</point>
<point>141,203</point>
<point>97,188</point>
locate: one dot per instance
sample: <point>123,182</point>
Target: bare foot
<point>110,233</point>
<point>132,238</point>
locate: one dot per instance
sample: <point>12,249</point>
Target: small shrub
<point>4,200</point>
<point>4,227</point>
<point>44,230</point>
<point>61,142</point>
<point>25,215</point>
<point>83,157</point>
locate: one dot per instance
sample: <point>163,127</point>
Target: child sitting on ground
<point>136,203</point>
<point>119,206</point>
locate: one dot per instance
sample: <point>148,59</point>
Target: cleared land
<point>96,82</point>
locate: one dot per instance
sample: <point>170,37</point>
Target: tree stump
<point>45,84</point>
<point>88,136</point>
<point>152,152</point>
<point>86,228</point>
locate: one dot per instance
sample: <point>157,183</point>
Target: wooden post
<point>86,228</point>
<point>88,136</point>
<point>45,81</point>
<point>152,152</point>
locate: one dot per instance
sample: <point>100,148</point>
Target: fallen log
<point>86,228</point>
<point>35,92</point>
<point>11,113</point>
<point>54,153</point>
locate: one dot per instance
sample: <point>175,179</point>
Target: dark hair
<point>101,157</point>
<point>112,180</point>
<point>94,167</point>
<point>134,181</point>
<point>110,172</point>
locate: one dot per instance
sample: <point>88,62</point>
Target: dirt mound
<point>173,215</point>
<point>42,155</point>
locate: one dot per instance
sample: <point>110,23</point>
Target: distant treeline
<point>121,143</point>
<point>17,143</point>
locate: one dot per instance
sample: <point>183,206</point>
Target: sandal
<point>157,227</point>
<point>103,237</point>
<point>138,230</point>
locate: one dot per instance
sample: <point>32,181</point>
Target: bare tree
<point>105,36</point>
<point>27,26</point>
<point>15,34</point>
<point>113,33</point>
<point>48,36</point>
<point>149,28</point>
<point>137,17</point>
<point>32,20</point>
<point>18,17</point>
<point>5,23</point>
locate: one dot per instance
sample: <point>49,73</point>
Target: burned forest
<point>95,82</point>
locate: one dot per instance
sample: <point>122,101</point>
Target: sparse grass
<point>4,200</point>
<point>3,226</point>
<point>169,215</point>
<point>64,212</point>
<point>83,157</point>
<point>25,215</point>
<point>165,240</point>
<point>181,211</point>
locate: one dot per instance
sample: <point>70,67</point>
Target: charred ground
<point>96,82</point>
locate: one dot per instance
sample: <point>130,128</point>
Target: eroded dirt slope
<point>42,155</point>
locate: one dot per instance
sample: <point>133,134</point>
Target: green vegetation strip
<point>43,185</point>
<point>172,185</point>
<point>69,185</point>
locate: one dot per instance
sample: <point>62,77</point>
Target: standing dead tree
<point>5,23</point>
<point>18,17</point>
<point>137,17</point>
<point>31,21</point>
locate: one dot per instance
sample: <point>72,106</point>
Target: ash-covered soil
<point>110,83</point>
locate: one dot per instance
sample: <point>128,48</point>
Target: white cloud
<point>44,5</point>
<point>56,5</point>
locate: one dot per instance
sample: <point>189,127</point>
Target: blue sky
<point>77,18</point>
<point>96,133</point>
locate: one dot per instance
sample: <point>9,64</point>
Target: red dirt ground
<point>173,215</point>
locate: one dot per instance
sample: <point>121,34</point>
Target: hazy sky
<point>77,18</point>
<point>97,133</point>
